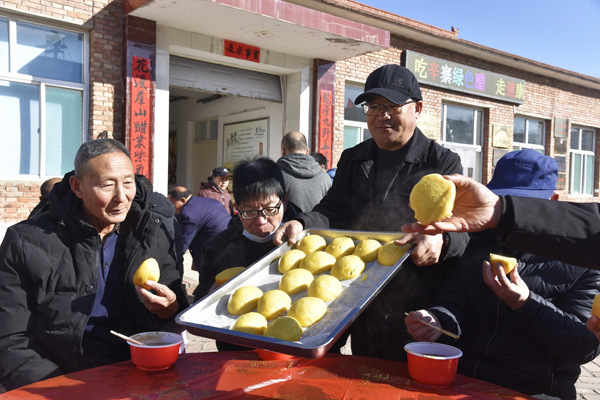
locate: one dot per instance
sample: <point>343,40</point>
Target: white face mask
<point>259,239</point>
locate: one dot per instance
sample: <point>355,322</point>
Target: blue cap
<point>525,173</point>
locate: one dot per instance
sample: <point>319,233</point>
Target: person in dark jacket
<point>371,192</point>
<point>217,188</point>
<point>200,219</point>
<point>44,204</point>
<point>261,205</point>
<point>305,181</point>
<point>525,330</point>
<point>66,277</point>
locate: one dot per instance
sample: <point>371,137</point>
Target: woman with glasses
<point>261,204</point>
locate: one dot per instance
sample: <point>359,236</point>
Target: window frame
<point>583,154</point>
<point>477,137</point>
<point>12,76</point>
<point>525,145</point>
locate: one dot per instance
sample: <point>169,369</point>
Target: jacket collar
<point>416,146</point>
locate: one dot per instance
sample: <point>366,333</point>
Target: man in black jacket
<point>371,192</point>
<point>66,277</point>
<point>525,330</point>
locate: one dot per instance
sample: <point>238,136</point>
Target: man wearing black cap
<point>371,192</point>
<point>217,188</point>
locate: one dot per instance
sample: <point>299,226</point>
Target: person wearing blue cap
<point>371,192</point>
<point>525,330</point>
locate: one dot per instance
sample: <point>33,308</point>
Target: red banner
<point>326,123</point>
<point>242,51</point>
<point>139,132</point>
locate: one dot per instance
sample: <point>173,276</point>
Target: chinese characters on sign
<point>244,140</point>
<point>139,132</point>
<point>242,51</point>
<point>463,78</point>
<point>325,123</point>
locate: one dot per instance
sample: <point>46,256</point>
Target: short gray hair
<point>93,149</point>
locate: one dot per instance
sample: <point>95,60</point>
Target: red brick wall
<point>545,98</point>
<point>103,21</point>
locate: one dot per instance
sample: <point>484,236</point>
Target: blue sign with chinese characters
<point>463,78</point>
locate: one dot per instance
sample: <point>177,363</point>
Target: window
<point>528,133</point>
<point>43,95</point>
<point>355,120</point>
<point>462,130</point>
<point>206,130</point>
<point>582,160</point>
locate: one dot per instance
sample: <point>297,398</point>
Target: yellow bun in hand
<point>273,304</point>
<point>290,260</point>
<point>596,308</point>
<point>389,254</point>
<point>508,263</point>
<point>284,328</point>
<point>227,274</point>
<point>367,249</point>
<point>296,280</point>
<point>251,322</point>
<point>348,267</point>
<point>318,262</point>
<point>325,287</point>
<point>147,271</point>
<point>308,310</point>
<point>340,247</point>
<point>311,243</point>
<point>432,199</point>
<point>243,300</point>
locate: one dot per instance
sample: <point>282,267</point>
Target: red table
<point>235,375</point>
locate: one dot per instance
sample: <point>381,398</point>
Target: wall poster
<point>244,140</point>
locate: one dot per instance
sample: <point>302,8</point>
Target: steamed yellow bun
<point>251,322</point>
<point>325,287</point>
<point>340,247</point>
<point>389,254</point>
<point>243,300</point>
<point>308,310</point>
<point>367,250</point>
<point>318,262</point>
<point>227,274</point>
<point>348,267</point>
<point>296,280</point>
<point>290,260</point>
<point>284,328</point>
<point>507,263</point>
<point>311,243</point>
<point>273,304</point>
<point>432,199</point>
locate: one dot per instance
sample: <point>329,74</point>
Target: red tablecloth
<point>231,375</point>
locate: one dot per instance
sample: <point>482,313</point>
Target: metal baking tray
<point>208,317</point>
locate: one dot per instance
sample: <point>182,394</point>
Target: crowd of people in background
<point>66,273</point>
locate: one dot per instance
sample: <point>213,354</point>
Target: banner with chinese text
<point>139,133</point>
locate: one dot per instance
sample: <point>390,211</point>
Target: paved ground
<point>588,385</point>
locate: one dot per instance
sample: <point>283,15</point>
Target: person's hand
<point>514,292</point>
<point>163,303</point>
<point>475,208</point>
<point>592,325</point>
<point>427,248</point>
<point>419,331</point>
<point>288,231</point>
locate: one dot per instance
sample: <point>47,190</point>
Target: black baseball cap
<point>392,81</point>
<point>221,171</point>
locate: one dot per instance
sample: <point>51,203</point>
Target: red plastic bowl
<point>271,355</point>
<point>160,350</point>
<point>432,363</point>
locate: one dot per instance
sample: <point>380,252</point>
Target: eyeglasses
<point>266,212</point>
<point>389,108</point>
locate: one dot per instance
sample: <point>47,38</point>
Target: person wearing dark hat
<point>525,330</point>
<point>371,191</point>
<point>217,188</point>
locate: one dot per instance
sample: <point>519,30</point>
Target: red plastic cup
<point>159,352</point>
<point>432,363</point>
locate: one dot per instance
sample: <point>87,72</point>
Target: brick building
<point>192,84</point>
